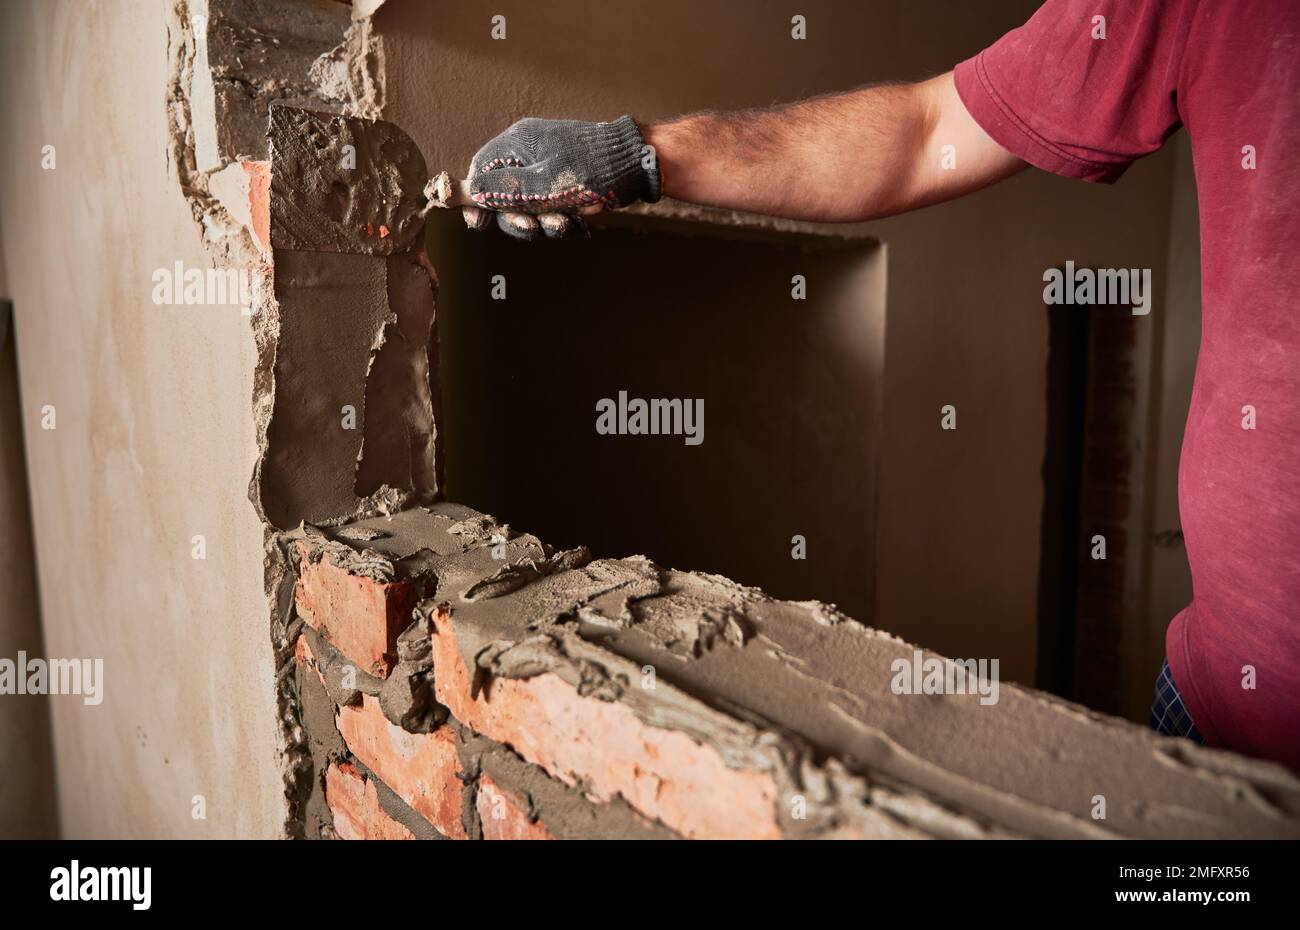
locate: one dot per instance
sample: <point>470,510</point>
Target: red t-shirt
<point>1085,107</point>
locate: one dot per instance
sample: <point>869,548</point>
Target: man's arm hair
<point>859,155</point>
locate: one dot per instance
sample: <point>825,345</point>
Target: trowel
<point>445,192</point>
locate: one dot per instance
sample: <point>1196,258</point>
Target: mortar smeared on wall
<point>352,423</point>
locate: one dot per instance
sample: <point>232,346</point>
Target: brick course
<point>361,616</point>
<point>354,801</point>
<point>503,815</point>
<point>662,773</point>
<point>578,697</point>
<point>421,768</point>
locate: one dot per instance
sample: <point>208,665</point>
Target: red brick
<point>354,802</point>
<point>259,200</point>
<point>503,815</point>
<point>664,774</point>
<point>420,767</point>
<point>360,616</point>
<point>302,652</point>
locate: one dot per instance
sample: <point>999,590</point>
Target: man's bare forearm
<point>853,156</point>
<point>846,157</point>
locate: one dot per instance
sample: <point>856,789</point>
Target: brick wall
<point>457,679</point>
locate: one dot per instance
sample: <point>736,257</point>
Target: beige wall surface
<point>959,512</point>
<point>154,441</point>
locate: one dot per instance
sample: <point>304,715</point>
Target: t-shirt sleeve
<point>1058,95</point>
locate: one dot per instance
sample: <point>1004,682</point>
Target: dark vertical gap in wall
<point>1110,489</point>
<point>28,808</point>
<point>1058,582</point>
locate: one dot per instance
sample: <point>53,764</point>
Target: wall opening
<point>1093,473</point>
<point>791,392</point>
<point>1058,574</point>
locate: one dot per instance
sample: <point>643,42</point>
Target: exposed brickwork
<point>354,801</point>
<point>544,805</point>
<point>604,746</point>
<point>421,768</point>
<point>503,815</point>
<point>612,698</point>
<point>259,201</point>
<point>362,617</point>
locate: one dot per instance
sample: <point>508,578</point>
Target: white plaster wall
<point>154,440</point>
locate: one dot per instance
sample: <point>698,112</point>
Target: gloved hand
<point>543,175</point>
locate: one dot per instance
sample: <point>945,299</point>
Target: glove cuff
<point>622,143</point>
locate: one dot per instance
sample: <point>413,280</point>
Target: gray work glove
<point>543,175</point>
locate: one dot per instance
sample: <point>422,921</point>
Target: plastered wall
<point>154,442</point>
<point>959,512</point>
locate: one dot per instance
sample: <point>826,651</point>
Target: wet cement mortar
<point>796,691</point>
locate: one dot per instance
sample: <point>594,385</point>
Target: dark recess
<point>789,406</point>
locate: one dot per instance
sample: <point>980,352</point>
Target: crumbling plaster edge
<point>355,73</point>
<point>355,70</point>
